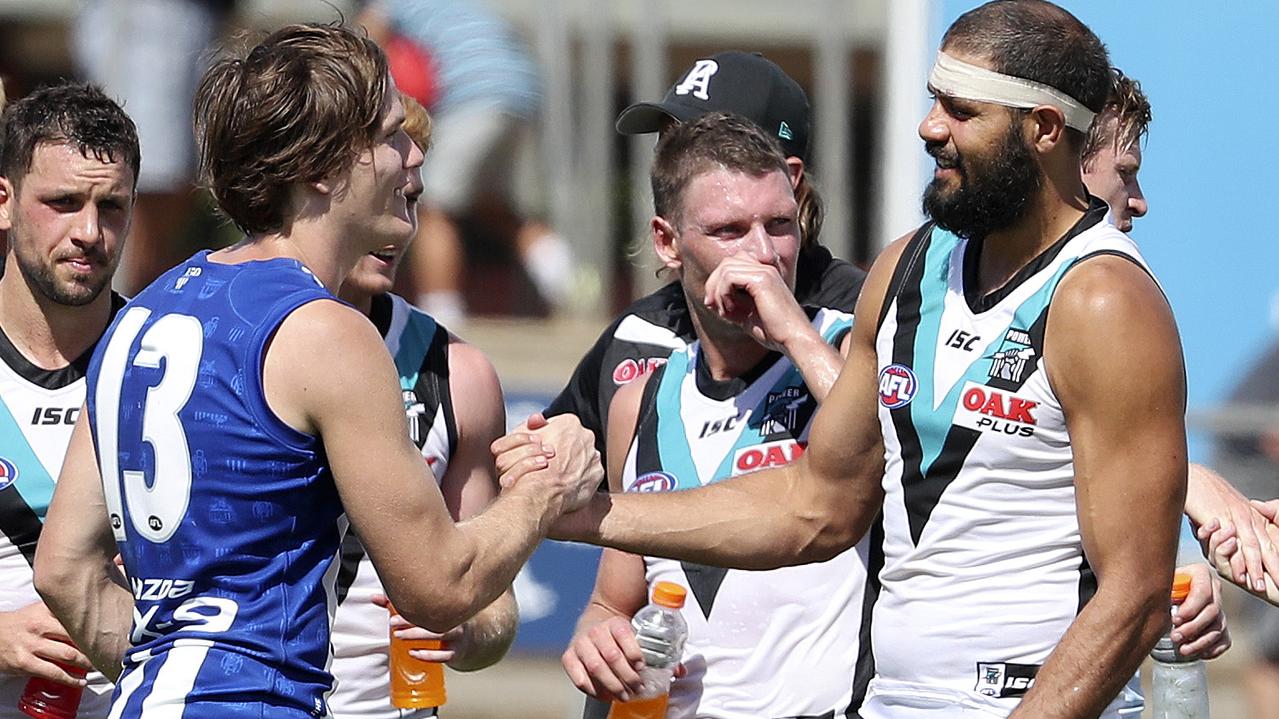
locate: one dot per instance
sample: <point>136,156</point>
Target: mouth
<point>80,264</point>
<point>387,255</point>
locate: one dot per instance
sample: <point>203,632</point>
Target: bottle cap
<point>1180,587</point>
<point>669,594</point>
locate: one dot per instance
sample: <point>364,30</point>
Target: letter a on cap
<point>698,80</point>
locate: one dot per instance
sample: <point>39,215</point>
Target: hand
<point>754,296</point>
<point>455,639</point>
<point>573,471</point>
<point>1199,623</point>
<point>33,640</point>
<point>604,660</point>
<point>1250,553</point>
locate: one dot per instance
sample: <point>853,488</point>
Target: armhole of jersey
<point>1185,379</point>
<point>913,253</point>
<point>255,366</point>
<point>648,401</point>
<point>437,365</point>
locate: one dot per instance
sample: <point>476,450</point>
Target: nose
<point>933,127</point>
<point>415,157</point>
<point>1137,204</point>
<point>761,246</point>
<point>87,228</point>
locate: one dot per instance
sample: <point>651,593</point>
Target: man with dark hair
<point>987,406</point>
<point>737,399</point>
<point>1112,151</point>
<point>68,168</point>
<point>745,84</point>
<point>237,412</point>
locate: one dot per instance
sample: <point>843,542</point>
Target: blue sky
<point>1208,235</point>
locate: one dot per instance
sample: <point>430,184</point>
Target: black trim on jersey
<point>380,312</point>
<point>905,264</point>
<point>19,522</point>
<point>865,667</point>
<point>1087,584</point>
<point>1096,212</point>
<point>352,551</point>
<point>647,454</point>
<point>905,292</point>
<point>436,366</point>
<point>53,379</point>
<point>720,390</point>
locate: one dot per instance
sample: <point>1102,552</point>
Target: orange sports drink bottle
<point>415,684</point>
<point>44,699</point>
<point>661,631</point>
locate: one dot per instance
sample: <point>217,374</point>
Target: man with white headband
<point>1012,401</point>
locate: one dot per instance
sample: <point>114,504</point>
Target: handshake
<point>554,459</point>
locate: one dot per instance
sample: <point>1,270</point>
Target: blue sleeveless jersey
<point>227,519</point>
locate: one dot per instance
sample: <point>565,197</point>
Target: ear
<point>794,168</point>
<point>1047,128</point>
<point>7,198</point>
<point>664,235</point>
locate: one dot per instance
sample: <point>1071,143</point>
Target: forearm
<point>477,560</point>
<point>1098,654</point>
<point>818,363</point>
<point>95,606</point>
<point>763,520</point>
<point>489,634</point>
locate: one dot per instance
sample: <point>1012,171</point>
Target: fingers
<point>523,468</point>
<point>513,440</point>
<point>605,660</point>
<point>59,651</point>
<point>1269,510</point>
<point>381,600</point>
<point>37,667</point>
<point>443,655</point>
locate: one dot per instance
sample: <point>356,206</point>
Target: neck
<point>317,245</point>
<point>362,301</point>
<point>727,350</point>
<point>50,335</point>
<point>1051,214</point>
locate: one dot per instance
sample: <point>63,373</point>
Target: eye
<point>780,225</point>
<point>64,203</point>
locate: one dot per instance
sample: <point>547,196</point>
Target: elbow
<point>440,611</point>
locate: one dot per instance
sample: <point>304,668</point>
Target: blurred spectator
<point>147,54</point>
<point>488,98</point>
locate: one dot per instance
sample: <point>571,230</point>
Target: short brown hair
<point>1129,107</point>
<point>76,114</point>
<point>296,108</point>
<point>417,122</point>
<point>713,141</point>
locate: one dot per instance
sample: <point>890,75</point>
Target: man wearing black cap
<point>645,334</point>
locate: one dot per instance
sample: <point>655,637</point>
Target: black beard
<point>992,194</point>
<point>40,277</point>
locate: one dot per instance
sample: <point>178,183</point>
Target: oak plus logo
<point>987,409</point>
<point>767,455</point>
<point>897,386</point>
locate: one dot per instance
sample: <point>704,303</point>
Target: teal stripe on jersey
<point>837,326</point>
<point>33,483</point>
<point>676,457</point>
<point>419,330</point>
<point>931,425</point>
<point>936,424</point>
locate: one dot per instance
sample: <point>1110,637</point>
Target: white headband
<point>957,78</point>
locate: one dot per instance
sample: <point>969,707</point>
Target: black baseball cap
<point>743,83</point>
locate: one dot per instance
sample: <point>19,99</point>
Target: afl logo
<point>654,482</point>
<point>8,473</point>
<point>897,386</point>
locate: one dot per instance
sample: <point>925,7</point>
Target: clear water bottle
<point>661,632</point>
<point>1179,687</point>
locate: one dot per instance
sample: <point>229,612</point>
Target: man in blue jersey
<point>238,416</point>
<point>67,171</point>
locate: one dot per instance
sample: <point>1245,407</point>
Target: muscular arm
<point>806,511</point>
<point>1109,320</point>
<point>351,399</point>
<point>601,659</point>
<point>470,485</point>
<point>75,571</point>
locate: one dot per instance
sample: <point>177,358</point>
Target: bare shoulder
<point>623,415</point>
<point>475,388</point>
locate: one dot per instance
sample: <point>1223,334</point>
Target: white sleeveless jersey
<point>984,569</point>
<point>360,630</point>
<point>781,643</point>
<point>38,410</point>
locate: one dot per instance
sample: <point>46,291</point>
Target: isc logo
<point>897,386</point>
<point>763,456</point>
<point>44,416</point>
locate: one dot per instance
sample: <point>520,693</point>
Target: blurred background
<point>534,271</point>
